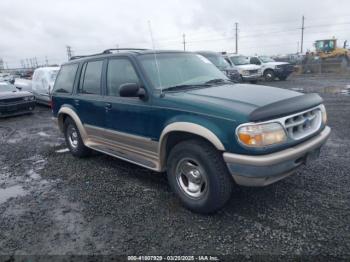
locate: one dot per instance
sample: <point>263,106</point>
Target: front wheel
<point>198,176</point>
<point>269,75</point>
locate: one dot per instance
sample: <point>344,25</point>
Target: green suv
<point>176,112</point>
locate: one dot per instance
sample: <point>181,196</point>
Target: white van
<point>42,83</point>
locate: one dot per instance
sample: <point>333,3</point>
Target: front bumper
<point>251,77</point>
<point>18,108</point>
<point>263,170</point>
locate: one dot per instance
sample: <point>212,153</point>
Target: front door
<point>129,115</point>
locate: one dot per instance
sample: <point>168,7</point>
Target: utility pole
<point>117,46</point>
<point>184,41</point>
<point>297,47</point>
<point>46,61</point>
<point>302,35</point>
<point>236,25</point>
<point>69,52</point>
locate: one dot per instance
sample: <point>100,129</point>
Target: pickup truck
<point>173,112</point>
<point>272,69</point>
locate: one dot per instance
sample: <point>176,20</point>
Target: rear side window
<point>65,80</point>
<point>91,82</point>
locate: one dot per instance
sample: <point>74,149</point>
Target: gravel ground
<point>52,203</point>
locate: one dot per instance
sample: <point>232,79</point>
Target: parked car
<point>272,69</point>
<point>15,102</point>
<point>249,72</point>
<point>220,62</point>
<point>23,84</point>
<point>6,77</point>
<point>172,111</point>
<point>43,82</point>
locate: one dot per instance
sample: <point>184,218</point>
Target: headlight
<point>28,98</point>
<point>324,114</point>
<point>260,135</point>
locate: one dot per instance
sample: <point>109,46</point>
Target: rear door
<point>89,99</point>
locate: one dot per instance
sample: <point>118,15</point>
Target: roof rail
<point>108,51</point>
<point>77,57</point>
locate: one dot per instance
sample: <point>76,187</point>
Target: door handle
<point>76,102</point>
<point>108,106</point>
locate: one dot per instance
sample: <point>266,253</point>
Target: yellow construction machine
<point>328,57</point>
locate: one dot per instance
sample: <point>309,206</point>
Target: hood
<point>10,94</point>
<point>248,67</point>
<point>236,101</point>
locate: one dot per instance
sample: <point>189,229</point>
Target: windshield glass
<point>5,87</point>
<point>179,69</point>
<point>239,60</point>
<point>266,59</point>
<point>217,60</point>
<point>53,75</point>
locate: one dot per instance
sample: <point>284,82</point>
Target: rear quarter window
<point>65,79</point>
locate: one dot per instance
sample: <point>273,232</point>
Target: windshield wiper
<point>184,87</point>
<point>217,81</point>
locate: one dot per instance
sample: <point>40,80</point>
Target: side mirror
<point>131,90</point>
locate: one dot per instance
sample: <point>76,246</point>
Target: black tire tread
<point>82,150</point>
<point>225,182</point>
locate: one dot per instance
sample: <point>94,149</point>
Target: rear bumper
<point>248,170</point>
<point>16,108</point>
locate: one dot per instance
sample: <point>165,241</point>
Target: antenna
<point>155,57</point>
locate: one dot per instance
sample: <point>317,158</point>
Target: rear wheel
<point>269,75</point>
<point>198,176</point>
<point>74,140</point>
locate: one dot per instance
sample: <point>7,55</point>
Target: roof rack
<point>109,51</point>
<point>77,57</point>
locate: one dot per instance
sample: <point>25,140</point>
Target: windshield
<point>5,87</point>
<point>266,59</point>
<point>239,60</point>
<point>53,75</point>
<point>177,69</point>
<point>217,60</point>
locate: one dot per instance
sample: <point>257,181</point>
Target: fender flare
<point>187,127</point>
<point>65,110</point>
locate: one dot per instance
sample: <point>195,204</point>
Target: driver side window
<point>255,61</point>
<point>120,71</point>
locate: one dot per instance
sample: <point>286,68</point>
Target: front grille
<point>303,124</point>
<point>11,100</point>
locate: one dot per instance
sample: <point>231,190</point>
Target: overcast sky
<point>43,28</point>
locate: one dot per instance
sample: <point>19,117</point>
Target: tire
<point>207,191</point>
<point>269,75</point>
<point>73,139</point>
<point>282,78</point>
<point>253,81</point>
